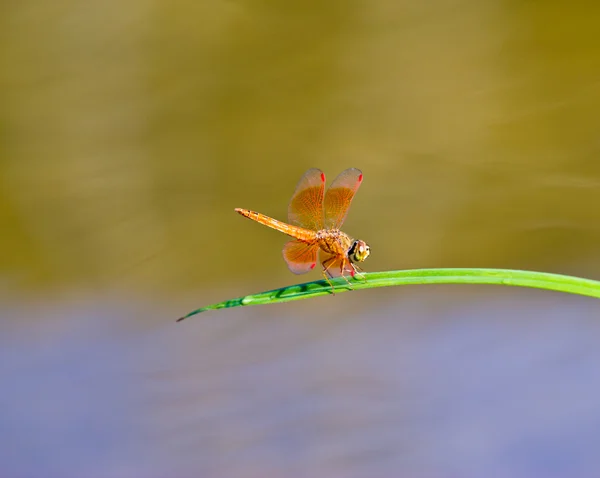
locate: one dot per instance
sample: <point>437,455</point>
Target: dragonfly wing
<point>339,197</point>
<point>306,206</point>
<point>335,265</point>
<point>300,256</point>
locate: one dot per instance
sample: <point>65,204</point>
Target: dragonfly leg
<point>329,263</point>
<point>342,267</point>
<point>358,271</point>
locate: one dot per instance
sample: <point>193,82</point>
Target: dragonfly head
<point>359,251</point>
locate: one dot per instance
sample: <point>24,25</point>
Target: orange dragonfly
<point>315,220</point>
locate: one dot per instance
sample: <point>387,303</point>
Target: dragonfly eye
<point>359,251</point>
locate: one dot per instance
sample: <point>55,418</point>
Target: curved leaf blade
<point>370,280</point>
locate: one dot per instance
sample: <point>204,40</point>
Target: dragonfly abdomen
<point>304,235</point>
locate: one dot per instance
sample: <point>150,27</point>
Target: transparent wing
<point>300,256</point>
<point>335,266</point>
<point>339,197</point>
<point>306,206</point>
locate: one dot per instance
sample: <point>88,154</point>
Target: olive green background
<point>129,131</point>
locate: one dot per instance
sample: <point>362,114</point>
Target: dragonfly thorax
<point>334,241</point>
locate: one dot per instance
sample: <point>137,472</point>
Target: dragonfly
<point>315,219</point>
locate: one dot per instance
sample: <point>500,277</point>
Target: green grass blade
<point>540,280</point>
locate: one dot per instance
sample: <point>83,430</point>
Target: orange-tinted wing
<point>300,256</point>
<point>336,266</point>
<point>306,206</point>
<point>339,197</point>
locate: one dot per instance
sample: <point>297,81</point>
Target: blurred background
<point>130,131</point>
